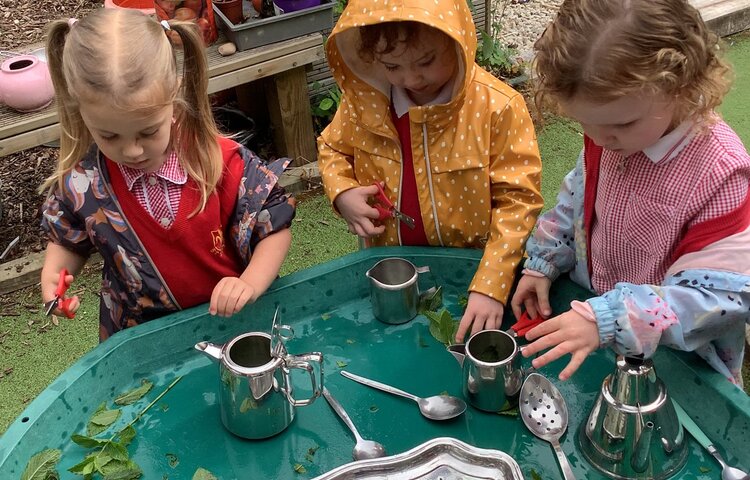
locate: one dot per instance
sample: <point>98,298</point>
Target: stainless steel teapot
<point>255,390</point>
<point>632,431</point>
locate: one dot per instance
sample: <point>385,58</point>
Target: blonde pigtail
<point>195,134</point>
<point>74,136</point>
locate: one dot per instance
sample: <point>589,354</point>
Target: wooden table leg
<point>291,117</point>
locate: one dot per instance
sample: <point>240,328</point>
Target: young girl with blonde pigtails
<point>180,215</point>
<point>655,218</point>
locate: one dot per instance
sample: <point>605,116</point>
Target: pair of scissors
<point>386,209</point>
<point>60,301</point>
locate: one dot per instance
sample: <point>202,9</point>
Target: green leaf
<point>326,104</point>
<point>463,301</point>
<point>511,412</point>
<point>121,470</point>
<point>87,442</point>
<point>374,408</point>
<point>126,435</point>
<point>534,475</point>
<point>85,467</point>
<point>442,326</point>
<point>134,395</point>
<point>341,364</point>
<point>703,469</point>
<point>431,301</point>
<point>172,460</point>
<point>116,451</point>
<point>299,468</point>
<point>42,465</point>
<point>325,316</point>
<point>350,341</point>
<point>101,420</point>
<point>100,461</point>
<point>203,474</point>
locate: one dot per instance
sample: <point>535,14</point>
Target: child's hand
<point>482,313</point>
<point>533,294</point>
<point>229,296</point>
<point>570,333</point>
<point>353,206</point>
<point>66,306</point>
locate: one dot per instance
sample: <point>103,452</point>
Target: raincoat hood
<point>452,17</point>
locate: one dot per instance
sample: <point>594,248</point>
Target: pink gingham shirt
<point>158,192</point>
<point>643,201</point>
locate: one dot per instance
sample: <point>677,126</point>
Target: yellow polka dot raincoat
<point>475,158</point>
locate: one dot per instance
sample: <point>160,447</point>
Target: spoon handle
<point>563,461</point>
<point>379,386</point>
<point>336,406</point>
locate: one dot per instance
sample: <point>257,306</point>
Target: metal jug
<point>491,374</point>
<point>633,431</point>
<point>255,390</point>
<point>394,290</point>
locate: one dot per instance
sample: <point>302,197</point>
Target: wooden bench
<point>287,98</point>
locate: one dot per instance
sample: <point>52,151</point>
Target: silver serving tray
<point>441,458</point>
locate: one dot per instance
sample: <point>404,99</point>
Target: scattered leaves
<point>511,412</point>
<point>299,468</point>
<point>341,364</point>
<point>535,475</point>
<point>350,341</point>
<point>134,395</point>
<point>325,316</point>
<point>703,469</point>
<point>42,466</point>
<point>463,300</point>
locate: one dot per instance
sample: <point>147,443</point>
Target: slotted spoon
<point>545,414</point>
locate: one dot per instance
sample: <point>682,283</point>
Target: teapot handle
<point>303,363</point>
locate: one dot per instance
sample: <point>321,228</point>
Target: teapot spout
<point>458,351</point>
<point>642,452</point>
<point>210,349</point>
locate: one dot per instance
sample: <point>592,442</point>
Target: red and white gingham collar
<point>170,170</point>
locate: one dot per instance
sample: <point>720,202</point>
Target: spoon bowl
<point>436,407</point>
<point>545,414</point>
<point>363,449</point>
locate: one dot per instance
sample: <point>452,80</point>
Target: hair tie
<point>165,25</point>
<point>72,22</point>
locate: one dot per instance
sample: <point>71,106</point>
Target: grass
<point>32,354</point>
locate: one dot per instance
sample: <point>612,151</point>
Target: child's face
<point>130,138</point>
<point>422,68</point>
<point>626,125</point>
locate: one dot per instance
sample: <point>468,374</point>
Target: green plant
<point>324,103</point>
<point>339,6</point>
<point>497,58</point>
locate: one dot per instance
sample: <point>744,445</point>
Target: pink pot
<point>25,84</point>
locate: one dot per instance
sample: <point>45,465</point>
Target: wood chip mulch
<point>23,23</point>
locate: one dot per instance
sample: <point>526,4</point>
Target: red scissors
<point>387,210</point>
<point>60,301</point>
<point>524,324</point>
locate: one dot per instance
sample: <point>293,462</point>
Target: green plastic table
<point>329,309</point>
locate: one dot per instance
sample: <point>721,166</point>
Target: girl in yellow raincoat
<point>453,147</point>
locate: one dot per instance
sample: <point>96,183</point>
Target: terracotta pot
<point>25,84</point>
<point>232,9</point>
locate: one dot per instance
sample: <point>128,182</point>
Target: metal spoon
<point>363,449</point>
<point>545,414</point>
<point>437,407</point>
<point>727,472</point>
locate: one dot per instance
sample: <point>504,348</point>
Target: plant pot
<point>232,9</point>
<point>25,84</point>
